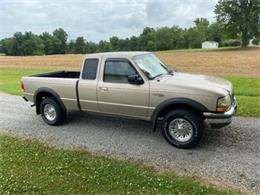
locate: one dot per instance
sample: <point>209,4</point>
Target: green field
<point>247,90</point>
<point>10,79</point>
<point>28,167</point>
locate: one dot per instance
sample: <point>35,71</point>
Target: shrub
<point>231,43</point>
<point>256,41</point>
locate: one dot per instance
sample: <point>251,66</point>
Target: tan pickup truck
<point>136,85</point>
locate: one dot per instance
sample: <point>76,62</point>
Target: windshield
<point>151,65</point>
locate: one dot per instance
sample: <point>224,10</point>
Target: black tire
<point>191,119</point>
<point>60,113</point>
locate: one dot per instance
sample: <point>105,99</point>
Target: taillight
<point>21,84</point>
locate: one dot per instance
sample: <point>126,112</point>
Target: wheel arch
<point>45,92</point>
<point>176,103</point>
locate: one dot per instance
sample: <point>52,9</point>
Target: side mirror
<point>135,79</point>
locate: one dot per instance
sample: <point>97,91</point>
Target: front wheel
<point>51,112</point>
<point>182,128</point>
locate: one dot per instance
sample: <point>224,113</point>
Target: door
<point>87,86</point>
<point>116,95</point>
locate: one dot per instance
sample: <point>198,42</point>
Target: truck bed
<point>63,83</point>
<point>60,74</point>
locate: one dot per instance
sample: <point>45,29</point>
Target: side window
<point>90,69</point>
<point>118,71</point>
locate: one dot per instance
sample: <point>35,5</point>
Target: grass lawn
<point>246,86</point>
<point>247,90</point>
<point>248,106</point>
<point>30,167</point>
<point>10,79</point>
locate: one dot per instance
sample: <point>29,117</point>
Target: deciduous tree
<point>240,17</point>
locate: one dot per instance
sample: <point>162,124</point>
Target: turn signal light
<point>221,109</point>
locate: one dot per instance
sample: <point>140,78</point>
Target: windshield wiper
<point>157,76</point>
<point>170,72</point>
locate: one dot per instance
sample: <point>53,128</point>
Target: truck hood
<point>209,83</point>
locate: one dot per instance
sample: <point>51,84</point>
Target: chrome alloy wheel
<point>49,112</point>
<point>181,129</point>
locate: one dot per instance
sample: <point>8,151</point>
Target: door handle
<point>103,88</point>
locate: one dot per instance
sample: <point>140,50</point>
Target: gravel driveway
<point>229,155</point>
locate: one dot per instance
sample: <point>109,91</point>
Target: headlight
<point>223,104</point>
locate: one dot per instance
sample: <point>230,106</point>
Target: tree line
<point>164,38</point>
<point>237,22</point>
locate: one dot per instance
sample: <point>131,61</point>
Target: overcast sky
<point>100,19</point>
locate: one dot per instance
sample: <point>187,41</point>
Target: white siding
<point>209,45</point>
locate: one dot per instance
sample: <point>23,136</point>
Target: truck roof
<point>118,54</point>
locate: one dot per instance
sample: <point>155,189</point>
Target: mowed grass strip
<point>10,78</point>
<point>244,86</point>
<point>30,167</point>
<point>248,106</point>
<point>247,90</point>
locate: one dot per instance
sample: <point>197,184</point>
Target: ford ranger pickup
<point>136,85</point>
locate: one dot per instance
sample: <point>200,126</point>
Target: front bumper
<point>218,120</point>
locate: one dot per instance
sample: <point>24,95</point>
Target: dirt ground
<point>221,62</point>
<point>231,62</point>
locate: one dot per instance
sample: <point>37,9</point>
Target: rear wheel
<point>182,128</point>
<point>51,112</point>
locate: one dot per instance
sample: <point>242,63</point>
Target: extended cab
<point>136,85</point>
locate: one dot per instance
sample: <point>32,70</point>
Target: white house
<point>209,45</point>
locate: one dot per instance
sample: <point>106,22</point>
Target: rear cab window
<point>90,69</point>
